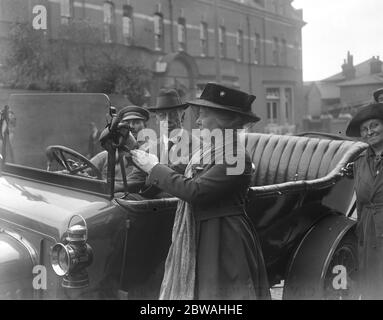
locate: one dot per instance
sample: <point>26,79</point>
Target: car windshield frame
<point>91,185</point>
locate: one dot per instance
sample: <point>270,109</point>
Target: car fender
<point>311,259</point>
<point>17,260</point>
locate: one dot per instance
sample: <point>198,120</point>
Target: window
<point>181,31</point>
<point>272,104</point>
<point>257,49</point>
<point>222,41</point>
<point>272,108</point>
<point>109,22</point>
<point>204,33</point>
<point>275,52</point>
<point>240,45</point>
<point>260,2</point>
<point>276,6</point>
<point>288,103</point>
<point>66,11</point>
<point>127,24</point>
<point>284,53</point>
<point>158,31</point>
<point>283,9</point>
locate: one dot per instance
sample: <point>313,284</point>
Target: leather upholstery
<point>283,164</point>
<point>279,159</point>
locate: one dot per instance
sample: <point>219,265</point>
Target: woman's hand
<point>145,161</point>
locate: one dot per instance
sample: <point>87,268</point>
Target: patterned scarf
<point>180,266</point>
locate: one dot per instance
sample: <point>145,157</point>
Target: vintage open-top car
<point>65,233</point>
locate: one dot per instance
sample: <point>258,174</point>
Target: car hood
<point>44,208</point>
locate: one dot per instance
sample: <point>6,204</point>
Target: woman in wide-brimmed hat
<point>367,124</point>
<point>215,253</point>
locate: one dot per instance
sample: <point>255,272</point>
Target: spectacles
<point>364,130</point>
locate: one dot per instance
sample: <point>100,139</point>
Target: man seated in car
<point>170,113</point>
<point>134,120</point>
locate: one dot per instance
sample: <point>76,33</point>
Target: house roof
<point>364,80</point>
<point>360,70</point>
<point>328,91</point>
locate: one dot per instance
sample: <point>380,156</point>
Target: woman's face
<point>371,132</point>
<point>206,119</point>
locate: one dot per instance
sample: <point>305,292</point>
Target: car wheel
<point>341,274</point>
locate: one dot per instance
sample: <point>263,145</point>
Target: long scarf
<point>180,267</point>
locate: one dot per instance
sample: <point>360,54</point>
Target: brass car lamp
<point>71,259</point>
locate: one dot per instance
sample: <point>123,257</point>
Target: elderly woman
<point>368,175</point>
<point>215,253</point>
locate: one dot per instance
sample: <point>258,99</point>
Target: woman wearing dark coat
<point>368,174</point>
<point>215,253</point>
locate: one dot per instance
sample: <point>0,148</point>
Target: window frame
<point>66,11</point>
<point>181,34</point>
<point>127,23</point>
<point>222,41</point>
<point>158,26</point>
<point>204,38</point>
<point>240,45</point>
<point>109,21</point>
<point>257,48</point>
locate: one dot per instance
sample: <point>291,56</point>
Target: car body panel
<point>41,206</point>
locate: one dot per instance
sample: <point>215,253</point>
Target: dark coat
<point>369,194</point>
<point>229,259</point>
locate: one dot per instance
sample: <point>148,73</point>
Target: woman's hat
<point>220,97</point>
<point>168,99</point>
<point>371,111</point>
<point>377,93</point>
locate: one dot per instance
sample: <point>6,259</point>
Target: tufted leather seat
<point>280,159</point>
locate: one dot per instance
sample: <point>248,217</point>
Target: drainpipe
<point>217,57</point>
<point>250,64</point>
<point>171,25</point>
<point>264,41</point>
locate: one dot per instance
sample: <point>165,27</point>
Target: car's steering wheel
<point>71,160</point>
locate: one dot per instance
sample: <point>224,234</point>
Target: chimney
<point>348,68</point>
<point>375,65</point>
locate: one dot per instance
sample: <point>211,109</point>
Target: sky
<point>335,27</point>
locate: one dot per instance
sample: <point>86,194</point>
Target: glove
<point>145,161</point>
<point>348,170</point>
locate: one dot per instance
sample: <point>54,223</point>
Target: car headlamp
<point>71,259</point>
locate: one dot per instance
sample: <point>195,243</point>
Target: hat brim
<point>205,103</point>
<point>377,93</point>
<point>178,106</point>
<point>134,112</point>
<point>134,117</point>
<point>374,111</point>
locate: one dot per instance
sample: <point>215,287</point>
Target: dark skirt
<point>370,252</point>
<point>229,261</point>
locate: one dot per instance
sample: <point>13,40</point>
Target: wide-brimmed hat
<point>371,111</point>
<point>168,99</point>
<point>220,97</point>
<point>133,113</point>
<point>377,93</point>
